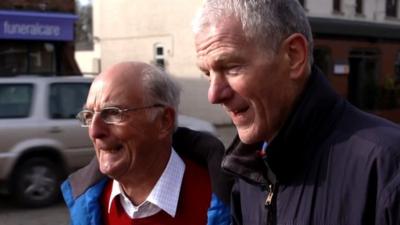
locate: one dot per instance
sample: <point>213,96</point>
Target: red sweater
<point>194,200</point>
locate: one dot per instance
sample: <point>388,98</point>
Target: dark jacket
<point>84,188</point>
<point>330,164</point>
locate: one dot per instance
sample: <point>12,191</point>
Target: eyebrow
<point>221,59</point>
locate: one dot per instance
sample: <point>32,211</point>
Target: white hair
<point>160,88</point>
<point>265,22</point>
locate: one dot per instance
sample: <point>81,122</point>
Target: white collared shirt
<point>163,196</point>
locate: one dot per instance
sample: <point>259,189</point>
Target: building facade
<point>37,37</point>
<point>357,44</point>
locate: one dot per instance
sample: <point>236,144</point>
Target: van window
<point>15,100</point>
<point>67,99</point>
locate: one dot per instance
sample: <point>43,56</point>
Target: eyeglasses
<point>110,115</point>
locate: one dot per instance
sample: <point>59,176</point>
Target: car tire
<point>36,183</point>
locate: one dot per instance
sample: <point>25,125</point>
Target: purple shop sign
<point>36,26</point>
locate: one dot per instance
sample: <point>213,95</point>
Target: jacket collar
<point>309,123</point>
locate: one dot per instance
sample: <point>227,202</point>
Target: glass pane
<point>160,51</point>
<point>359,6</point>
<point>337,5</point>
<point>18,57</point>
<point>160,63</point>
<point>66,100</point>
<point>13,59</point>
<point>391,8</point>
<point>15,100</point>
<point>41,58</point>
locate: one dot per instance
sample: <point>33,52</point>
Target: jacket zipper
<point>270,204</point>
<point>270,201</point>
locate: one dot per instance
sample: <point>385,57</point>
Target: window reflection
<point>66,100</point>
<point>15,100</point>
<point>27,58</point>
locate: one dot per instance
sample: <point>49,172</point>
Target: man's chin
<point>247,135</point>
<point>107,169</point>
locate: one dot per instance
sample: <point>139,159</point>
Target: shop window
<point>13,59</point>
<point>41,59</point>
<point>322,58</point>
<point>391,8</point>
<point>337,5</point>
<point>18,57</point>
<point>359,6</point>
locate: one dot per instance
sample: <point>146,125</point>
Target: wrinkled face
<point>251,84</point>
<point>120,148</point>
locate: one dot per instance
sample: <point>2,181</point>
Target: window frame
<point>359,7</point>
<point>337,6</point>
<point>159,59</point>
<point>392,9</point>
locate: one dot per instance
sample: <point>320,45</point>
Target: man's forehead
<point>219,44</point>
<point>112,89</point>
<point>223,29</point>
<point>95,92</point>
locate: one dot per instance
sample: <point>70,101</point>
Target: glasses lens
<point>111,115</point>
<point>85,117</point>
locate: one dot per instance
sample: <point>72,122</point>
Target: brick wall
<point>67,6</point>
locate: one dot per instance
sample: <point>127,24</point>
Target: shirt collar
<point>165,193</point>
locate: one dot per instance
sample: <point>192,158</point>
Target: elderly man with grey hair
<point>151,173</point>
<point>303,155</point>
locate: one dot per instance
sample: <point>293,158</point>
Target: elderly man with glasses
<point>151,174</point>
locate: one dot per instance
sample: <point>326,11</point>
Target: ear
<point>296,47</point>
<point>167,122</point>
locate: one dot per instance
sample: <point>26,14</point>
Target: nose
<point>98,128</point>
<point>219,90</point>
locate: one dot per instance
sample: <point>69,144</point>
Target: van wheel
<point>36,183</point>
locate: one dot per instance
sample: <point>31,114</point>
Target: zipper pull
<point>268,200</point>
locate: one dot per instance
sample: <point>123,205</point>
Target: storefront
<point>362,60</point>
<point>37,43</point>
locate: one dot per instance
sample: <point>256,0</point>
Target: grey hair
<point>160,88</point>
<point>266,22</point>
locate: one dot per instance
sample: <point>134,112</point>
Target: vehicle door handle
<point>55,130</point>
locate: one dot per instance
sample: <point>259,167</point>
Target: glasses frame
<point>120,111</point>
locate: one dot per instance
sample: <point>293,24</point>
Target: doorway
<point>363,78</point>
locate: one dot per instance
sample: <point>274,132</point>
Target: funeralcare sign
<point>16,25</point>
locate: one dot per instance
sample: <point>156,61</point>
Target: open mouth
<point>240,111</point>
<point>113,149</point>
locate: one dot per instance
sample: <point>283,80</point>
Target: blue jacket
<point>330,164</point>
<point>83,189</point>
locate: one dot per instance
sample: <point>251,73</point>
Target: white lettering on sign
<point>34,29</point>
